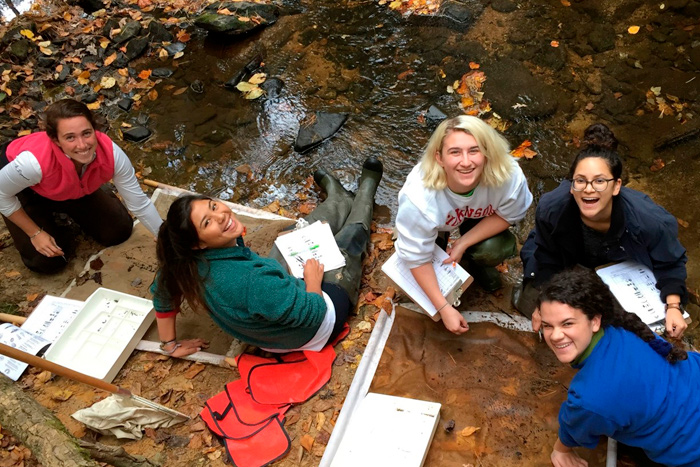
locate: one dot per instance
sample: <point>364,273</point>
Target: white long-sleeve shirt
<point>424,212</point>
<point>24,171</point>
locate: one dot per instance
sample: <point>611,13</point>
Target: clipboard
<point>452,279</point>
<point>634,286</point>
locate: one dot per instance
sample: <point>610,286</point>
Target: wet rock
<point>20,49</point>
<point>666,51</point>
<point>250,68</point>
<point>122,61</point>
<point>593,83</point>
<point>457,15</point>
<point>679,37</point>
<point>658,36</point>
<point>125,104</point>
<point>550,57</point>
<point>197,86</point>
<point>157,32</point>
<point>110,24</point>
<point>204,115</point>
<point>272,87</point>
<point>46,62</point>
<point>175,47</point>
<point>504,6</point>
<point>137,134</point>
<point>230,24</point>
<point>622,107</point>
<point>161,72</point>
<point>14,33</point>
<point>136,47</point>
<point>435,114</point>
<point>63,74</point>
<point>91,6</point>
<point>511,83</point>
<point>89,97</point>
<point>602,38</point>
<point>130,30</point>
<point>324,126</point>
<point>142,119</point>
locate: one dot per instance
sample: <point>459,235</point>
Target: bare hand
<point>567,459</point>
<point>46,245</point>
<point>453,320</point>
<point>313,274</point>
<point>188,347</point>
<point>536,320</point>
<point>455,252</point>
<point>675,324</point>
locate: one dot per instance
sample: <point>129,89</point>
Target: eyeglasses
<point>598,184</point>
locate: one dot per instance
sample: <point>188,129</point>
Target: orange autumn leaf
<point>177,92</point>
<point>524,150</point>
<point>682,223</point>
<point>182,36</point>
<point>405,74</point>
<point>566,2</point>
<point>474,66</point>
<point>554,43</point>
<point>657,165</point>
<point>153,94</point>
<point>145,74</point>
<point>108,61</point>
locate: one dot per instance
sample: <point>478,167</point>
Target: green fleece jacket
<point>253,299</point>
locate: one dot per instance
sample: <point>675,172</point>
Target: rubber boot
<point>354,236</point>
<point>524,298</point>
<point>334,210</point>
<point>484,256</point>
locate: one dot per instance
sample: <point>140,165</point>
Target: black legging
<point>100,214</point>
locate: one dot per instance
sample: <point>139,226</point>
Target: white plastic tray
<point>103,334</point>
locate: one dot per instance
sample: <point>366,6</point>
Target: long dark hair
<point>599,141</point>
<point>178,256</point>
<point>581,288</point>
<point>67,108</point>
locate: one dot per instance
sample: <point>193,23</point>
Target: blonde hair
<point>499,163</point>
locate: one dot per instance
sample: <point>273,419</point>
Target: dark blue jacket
<point>640,230</point>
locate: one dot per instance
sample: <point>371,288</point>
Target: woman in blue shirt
<point>631,386</point>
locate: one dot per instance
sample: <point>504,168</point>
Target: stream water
<point>385,70</point>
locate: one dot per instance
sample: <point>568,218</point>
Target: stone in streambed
<point>324,126</point>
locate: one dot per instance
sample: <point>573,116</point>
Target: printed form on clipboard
<point>634,286</point>
<point>314,241</point>
<point>452,279</point>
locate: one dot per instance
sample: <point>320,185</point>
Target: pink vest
<point>59,179</point>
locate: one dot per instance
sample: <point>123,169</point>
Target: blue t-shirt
<point>628,392</point>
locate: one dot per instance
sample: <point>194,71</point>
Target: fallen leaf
<point>24,133</point>
<point>468,431</point>
<point>163,53</point>
<point>178,55</point>
<point>307,442</point>
<point>682,223</point>
<point>590,106</point>
<point>194,370</point>
<point>524,150</point>
<point>382,240</point>
<point>144,74</point>
<point>258,78</point>
<point>177,92</point>
<point>224,11</point>
<point>566,2</point>
<point>94,105</point>
<point>84,77</point>
<point>104,42</point>
<point>182,36</point>
<point>61,395</point>
<point>243,19</point>
<point>108,61</point>
<point>44,376</point>
<point>153,94</point>
<point>320,420</point>
<point>405,74</point>
<point>27,33</point>
<point>253,94</point>
<point>12,274</point>
<point>107,82</point>
<point>657,165</point>
<point>554,43</point>
<point>633,29</point>
<point>46,51</point>
<point>474,66</point>
<point>32,296</point>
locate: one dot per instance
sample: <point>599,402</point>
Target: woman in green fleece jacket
<point>203,261</point>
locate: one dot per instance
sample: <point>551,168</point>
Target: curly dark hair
<point>599,141</point>
<point>581,288</point>
<point>178,257</point>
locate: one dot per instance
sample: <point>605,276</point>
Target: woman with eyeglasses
<point>592,220</point>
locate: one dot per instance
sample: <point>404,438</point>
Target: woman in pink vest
<point>63,170</point>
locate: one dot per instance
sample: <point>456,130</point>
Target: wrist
<point>673,306</point>
<point>168,347</point>
<point>31,237</point>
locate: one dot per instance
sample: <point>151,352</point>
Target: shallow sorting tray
<point>103,334</point>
